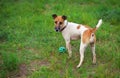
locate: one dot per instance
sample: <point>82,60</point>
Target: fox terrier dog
<point>73,31</point>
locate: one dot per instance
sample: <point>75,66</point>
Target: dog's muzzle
<point>57,29</point>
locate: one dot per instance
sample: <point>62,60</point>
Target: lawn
<point>29,44</point>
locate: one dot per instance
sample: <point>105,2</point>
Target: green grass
<point>10,61</point>
<point>27,37</point>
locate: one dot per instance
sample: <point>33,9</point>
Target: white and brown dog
<point>74,31</point>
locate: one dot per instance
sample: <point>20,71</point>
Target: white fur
<point>71,32</point>
<point>99,23</point>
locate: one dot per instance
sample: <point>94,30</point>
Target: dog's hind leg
<point>82,50</point>
<point>93,52</point>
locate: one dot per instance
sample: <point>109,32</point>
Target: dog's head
<point>59,21</point>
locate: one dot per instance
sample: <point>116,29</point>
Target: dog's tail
<point>98,25</point>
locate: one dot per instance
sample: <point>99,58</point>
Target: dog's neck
<point>65,25</point>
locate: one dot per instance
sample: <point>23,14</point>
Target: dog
<point>73,31</point>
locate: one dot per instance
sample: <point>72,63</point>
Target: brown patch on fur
<point>86,36</point>
<point>94,30</point>
<point>78,27</point>
<point>58,19</point>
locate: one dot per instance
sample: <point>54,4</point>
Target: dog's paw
<point>69,57</point>
<point>78,66</point>
<point>94,63</point>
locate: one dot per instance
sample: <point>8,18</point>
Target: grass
<point>27,34</point>
<point>10,61</point>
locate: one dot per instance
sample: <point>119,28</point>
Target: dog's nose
<point>57,29</point>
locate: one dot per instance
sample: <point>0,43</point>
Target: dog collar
<point>63,27</point>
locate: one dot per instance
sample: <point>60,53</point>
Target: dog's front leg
<point>68,46</point>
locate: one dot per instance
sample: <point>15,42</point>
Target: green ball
<point>62,49</point>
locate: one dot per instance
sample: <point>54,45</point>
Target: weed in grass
<point>117,60</point>
<point>10,61</point>
<point>3,74</point>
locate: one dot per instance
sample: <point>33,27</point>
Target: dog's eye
<point>55,22</point>
<point>60,22</point>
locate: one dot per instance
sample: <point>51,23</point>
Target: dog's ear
<point>64,17</point>
<point>54,16</point>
